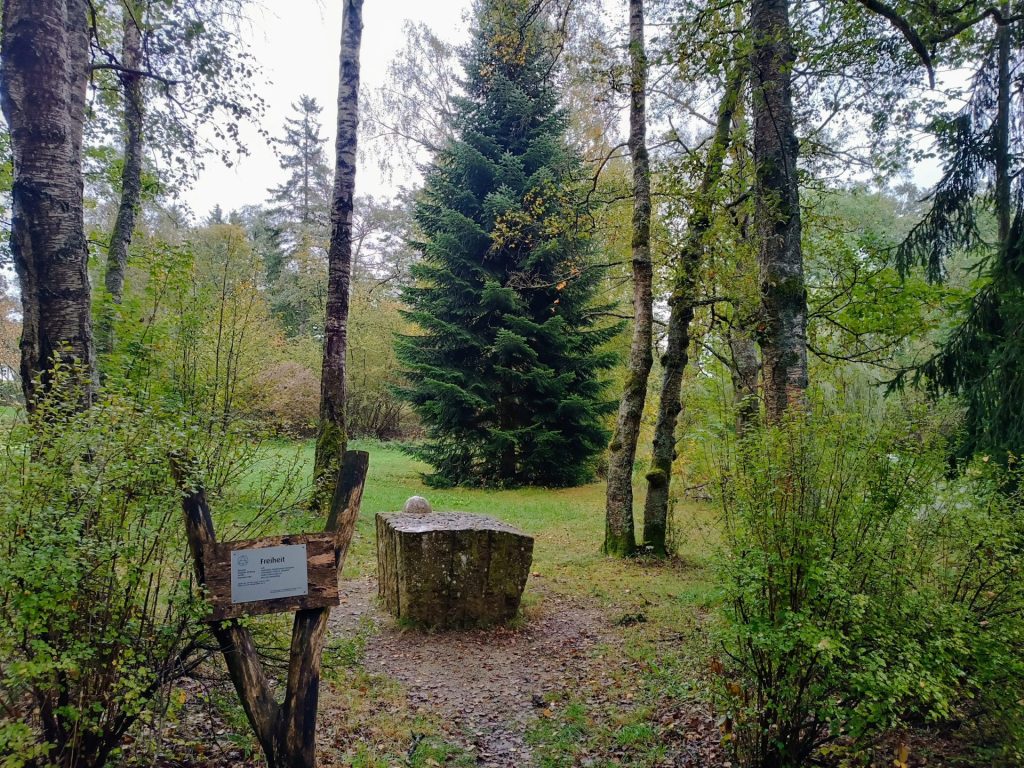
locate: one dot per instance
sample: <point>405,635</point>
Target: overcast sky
<point>297,43</point>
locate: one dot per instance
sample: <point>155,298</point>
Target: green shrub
<point>973,568</point>
<point>862,590</point>
<point>96,613</point>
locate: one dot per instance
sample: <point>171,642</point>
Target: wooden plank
<point>321,570</point>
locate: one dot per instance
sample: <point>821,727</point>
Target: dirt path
<point>487,686</point>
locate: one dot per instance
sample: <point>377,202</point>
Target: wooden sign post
<point>286,731</point>
<point>272,575</point>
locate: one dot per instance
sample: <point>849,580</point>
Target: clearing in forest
<point>596,671</point>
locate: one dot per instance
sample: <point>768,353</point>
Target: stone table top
<point>408,522</point>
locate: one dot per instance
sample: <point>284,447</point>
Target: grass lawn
<point>10,413</point>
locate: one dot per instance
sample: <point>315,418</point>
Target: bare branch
<point>908,32</point>
<point>166,82</point>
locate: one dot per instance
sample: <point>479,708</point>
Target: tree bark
<point>331,435</point>
<point>297,727</point>
<point>620,538</point>
<point>236,644</point>
<point>746,366</point>
<point>43,79</point>
<point>286,732</point>
<point>131,175</point>
<point>777,211</point>
<point>681,303</point>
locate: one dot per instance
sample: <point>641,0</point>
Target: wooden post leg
<point>297,727</point>
<point>235,642</point>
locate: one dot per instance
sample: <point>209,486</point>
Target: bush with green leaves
<point>863,589</point>
<point>973,565</point>
<point>97,617</point>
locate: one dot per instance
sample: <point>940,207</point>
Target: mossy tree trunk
<point>331,436</point>
<point>777,211</point>
<point>682,303</point>
<point>746,365</point>
<point>741,334</point>
<point>131,174</point>
<point>620,538</point>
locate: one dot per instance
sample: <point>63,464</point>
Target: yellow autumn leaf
<point>902,756</point>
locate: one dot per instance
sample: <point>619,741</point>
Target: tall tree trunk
<point>745,358</point>
<point>681,304</point>
<point>131,174</point>
<point>331,437</point>
<point>43,78</point>
<point>746,366</point>
<point>619,538</point>
<point>777,211</point>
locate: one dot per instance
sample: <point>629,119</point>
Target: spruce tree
<point>303,200</point>
<point>505,373</point>
<point>300,216</point>
<point>982,359</point>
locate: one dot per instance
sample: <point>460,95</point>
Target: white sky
<point>297,44</point>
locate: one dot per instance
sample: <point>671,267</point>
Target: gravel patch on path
<point>487,686</point>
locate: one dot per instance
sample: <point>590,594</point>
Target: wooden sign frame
<point>286,731</point>
<point>321,575</point>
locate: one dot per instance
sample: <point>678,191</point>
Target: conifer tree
<point>300,214</point>
<point>982,359</point>
<point>506,372</point>
<point>303,198</point>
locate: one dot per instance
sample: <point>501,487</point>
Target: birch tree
<point>331,437</point>
<point>777,209</point>
<point>620,538</point>
<point>176,83</point>
<point>411,116</point>
<point>682,303</point>
<point>131,79</point>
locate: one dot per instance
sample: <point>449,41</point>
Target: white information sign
<point>268,573</point>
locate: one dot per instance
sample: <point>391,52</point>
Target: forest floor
<point>517,696</point>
